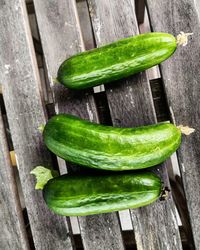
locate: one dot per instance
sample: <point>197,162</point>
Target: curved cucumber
<point>116,60</point>
<point>105,147</point>
<point>86,194</point>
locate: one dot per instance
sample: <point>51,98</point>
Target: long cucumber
<point>105,147</point>
<point>80,195</point>
<point>116,60</point>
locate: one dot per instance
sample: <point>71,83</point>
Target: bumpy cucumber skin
<point>86,194</point>
<point>116,60</point>
<point>105,147</point>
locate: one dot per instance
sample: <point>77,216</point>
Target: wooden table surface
<point>29,62</point>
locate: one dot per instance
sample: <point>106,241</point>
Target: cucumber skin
<point>105,147</point>
<point>91,194</point>
<point>116,60</point>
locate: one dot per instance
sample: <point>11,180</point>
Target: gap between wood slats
<point>140,10</point>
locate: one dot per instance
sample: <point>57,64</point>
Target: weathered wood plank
<point>110,238</point>
<point>131,104</point>
<point>13,233</point>
<point>181,77</point>
<point>85,24</point>
<point>61,38</point>
<point>181,204</point>
<point>21,89</point>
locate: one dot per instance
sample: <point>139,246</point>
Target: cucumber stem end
<point>164,194</point>
<point>182,38</point>
<point>186,130</point>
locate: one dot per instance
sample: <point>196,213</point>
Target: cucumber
<point>116,60</point>
<point>80,195</point>
<point>105,147</point>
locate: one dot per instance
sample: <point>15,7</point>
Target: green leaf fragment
<point>43,175</point>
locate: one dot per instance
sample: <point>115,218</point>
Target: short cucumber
<point>105,147</point>
<point>89,194</point>
<point>116,60</point>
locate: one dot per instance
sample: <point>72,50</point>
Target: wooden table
<point>28,64</point>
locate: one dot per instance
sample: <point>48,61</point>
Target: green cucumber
<point>105,147</point>
<point>116,60</point>
<point>80,195</point>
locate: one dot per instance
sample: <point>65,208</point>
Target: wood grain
<point>13,233</point>
<point>131,104</point>
<point>21,89</point>
<point>85,24</point>
<point>181,204</point>
<point>61,38</point>
<point>181,80</point>
<point>110,238</point>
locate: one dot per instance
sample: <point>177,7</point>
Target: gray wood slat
<point>181,80</point>
<point>85,24</point>
<point>61,38</point>
<point>21,89</point>
<point>197,6</point>
<point>131,105</point>
<point>13,233</point>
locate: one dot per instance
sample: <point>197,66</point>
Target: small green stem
<point>41,128</point>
